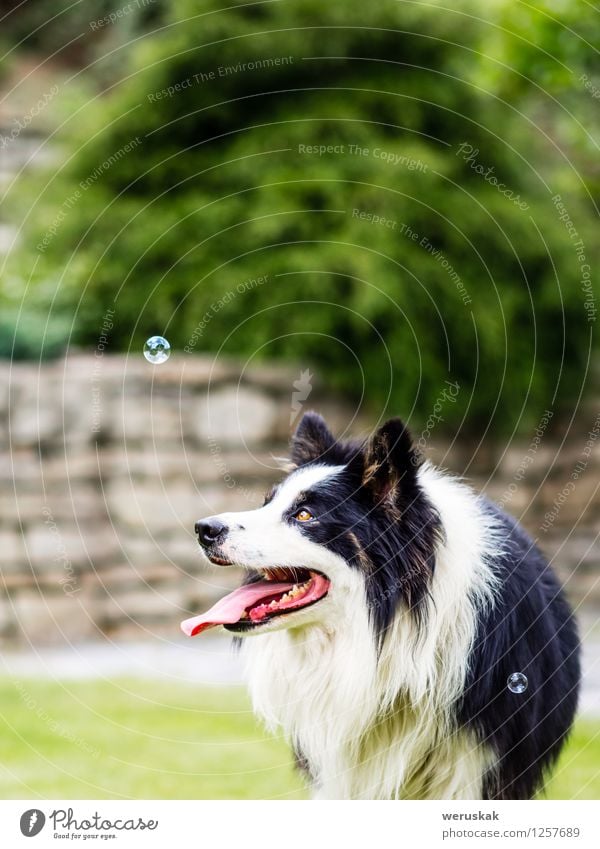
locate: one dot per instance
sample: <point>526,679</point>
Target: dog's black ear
<point>311,441</point>
<point>390,462</point>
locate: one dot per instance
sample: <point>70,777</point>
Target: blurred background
<point>375,211</point>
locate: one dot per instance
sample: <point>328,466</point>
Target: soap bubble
<point>157,350</point>
<point>517,682</point>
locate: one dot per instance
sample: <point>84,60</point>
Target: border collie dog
<point>388,606</point>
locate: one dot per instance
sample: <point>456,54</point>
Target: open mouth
<point>278,592</point>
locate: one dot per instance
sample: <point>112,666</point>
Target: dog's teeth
<point>294,592</point>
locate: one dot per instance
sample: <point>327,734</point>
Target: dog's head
<point>350,517</point>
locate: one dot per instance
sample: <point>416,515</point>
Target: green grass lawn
<point>138,739</point>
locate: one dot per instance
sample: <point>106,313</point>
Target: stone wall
<point>107,461</point>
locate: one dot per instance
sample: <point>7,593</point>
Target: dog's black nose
<point>210,530</point>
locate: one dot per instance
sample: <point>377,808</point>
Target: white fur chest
<point>326,697</point>
<point>320,689</point>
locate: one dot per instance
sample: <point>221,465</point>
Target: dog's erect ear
<point>391,461</point>
<point>311,440</point>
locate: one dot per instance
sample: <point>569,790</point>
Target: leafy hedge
<point>417,244</point>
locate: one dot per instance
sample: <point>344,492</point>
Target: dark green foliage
<point>216,190</point>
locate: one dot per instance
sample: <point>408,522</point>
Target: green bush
<point>171,201</point>
<point>30,334</point>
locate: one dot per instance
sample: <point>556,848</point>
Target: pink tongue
<point>231,608</point>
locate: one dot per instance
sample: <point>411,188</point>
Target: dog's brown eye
<point>303,515</point>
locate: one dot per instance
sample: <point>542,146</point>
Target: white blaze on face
<point>264,537</point>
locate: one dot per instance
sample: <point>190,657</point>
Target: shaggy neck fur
<point>375,721</point>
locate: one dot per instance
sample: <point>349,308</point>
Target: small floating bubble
<point>157,350</point>
<point>517,682</point>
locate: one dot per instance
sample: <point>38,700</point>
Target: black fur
<point>530,630</point>
<point>376,515</point>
